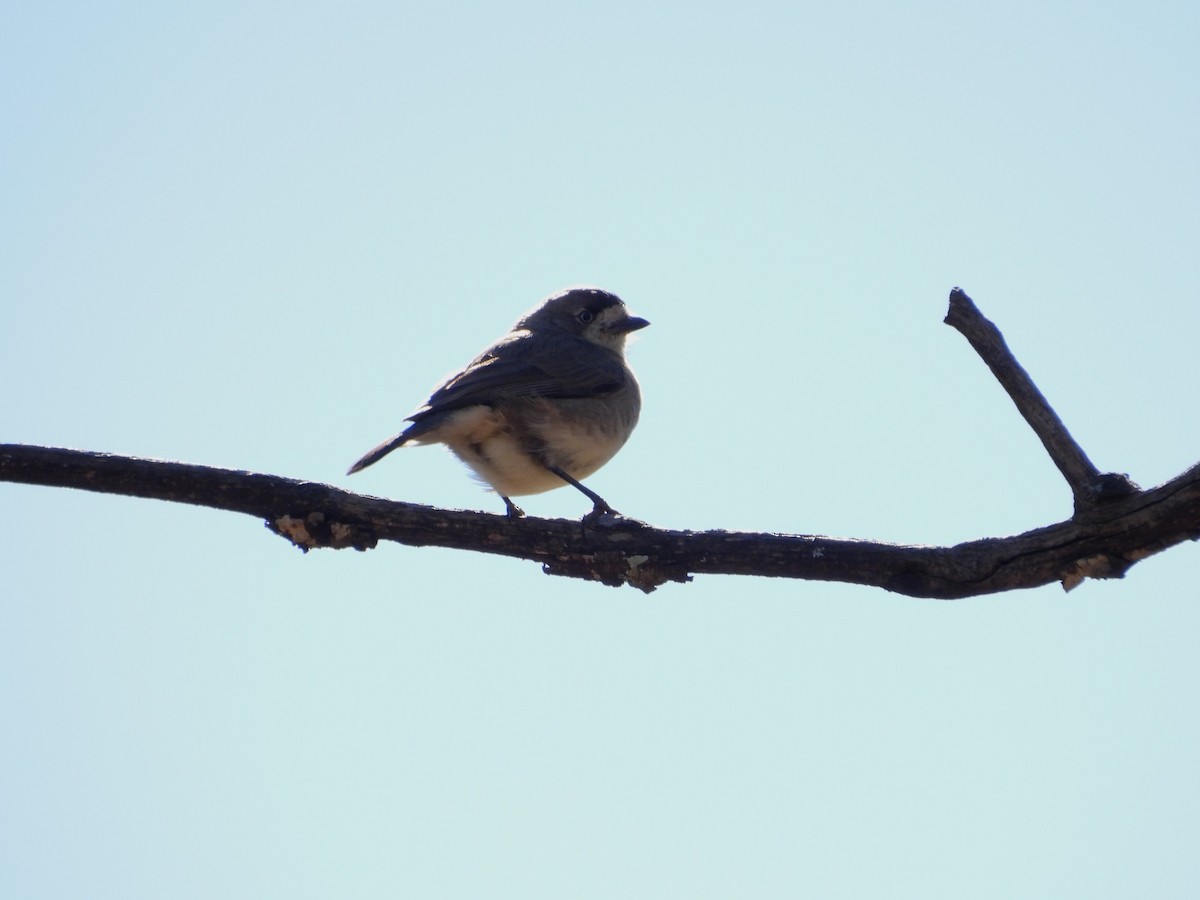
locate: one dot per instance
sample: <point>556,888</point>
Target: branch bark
<point>1114,526</point>
<point>1087,483</point>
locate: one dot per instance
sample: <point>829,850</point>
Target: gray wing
<point>525,365</point>
<point>519,365</point>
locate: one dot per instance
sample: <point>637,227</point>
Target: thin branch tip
<point>1088,485</point>
<point>960,305</point>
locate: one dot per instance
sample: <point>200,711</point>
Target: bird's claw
<point>599,511</point>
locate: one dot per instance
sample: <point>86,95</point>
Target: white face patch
<point>600,330</point>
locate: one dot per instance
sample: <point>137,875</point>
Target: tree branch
<point>1114,526</point>
<point>1087,484</point>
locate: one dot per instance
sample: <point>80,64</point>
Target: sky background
<point>255,235</point>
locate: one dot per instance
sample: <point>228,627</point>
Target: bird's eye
<point>584,316</point>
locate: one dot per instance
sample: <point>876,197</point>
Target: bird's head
<point>595,315</point>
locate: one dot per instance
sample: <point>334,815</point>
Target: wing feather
<point>518,367</point>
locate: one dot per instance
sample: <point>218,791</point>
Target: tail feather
<point>374,456</point>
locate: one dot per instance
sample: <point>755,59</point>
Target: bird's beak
<point>628,324</point>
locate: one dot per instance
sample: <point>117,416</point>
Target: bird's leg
<point>599,504</point>
<point>514,511</point>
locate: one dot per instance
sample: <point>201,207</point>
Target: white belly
<point>496,451</point>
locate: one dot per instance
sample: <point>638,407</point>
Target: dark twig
<point>1087,483</point>
<point>620,551</point>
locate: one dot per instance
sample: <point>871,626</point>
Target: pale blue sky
<point>255,235</point>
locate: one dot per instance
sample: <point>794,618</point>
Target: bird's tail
<point>374,456</point>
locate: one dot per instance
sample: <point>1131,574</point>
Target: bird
<point>544,406</point>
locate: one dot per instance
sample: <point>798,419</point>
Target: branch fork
<point>1089,486</point>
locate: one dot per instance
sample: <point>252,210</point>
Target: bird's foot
<point>599,511</point>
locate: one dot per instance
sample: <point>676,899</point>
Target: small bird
<point>546,405</point>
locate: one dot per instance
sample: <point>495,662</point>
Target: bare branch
<point>622,551</point>
<point>1114,526</point>
<point>1087,483</point>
